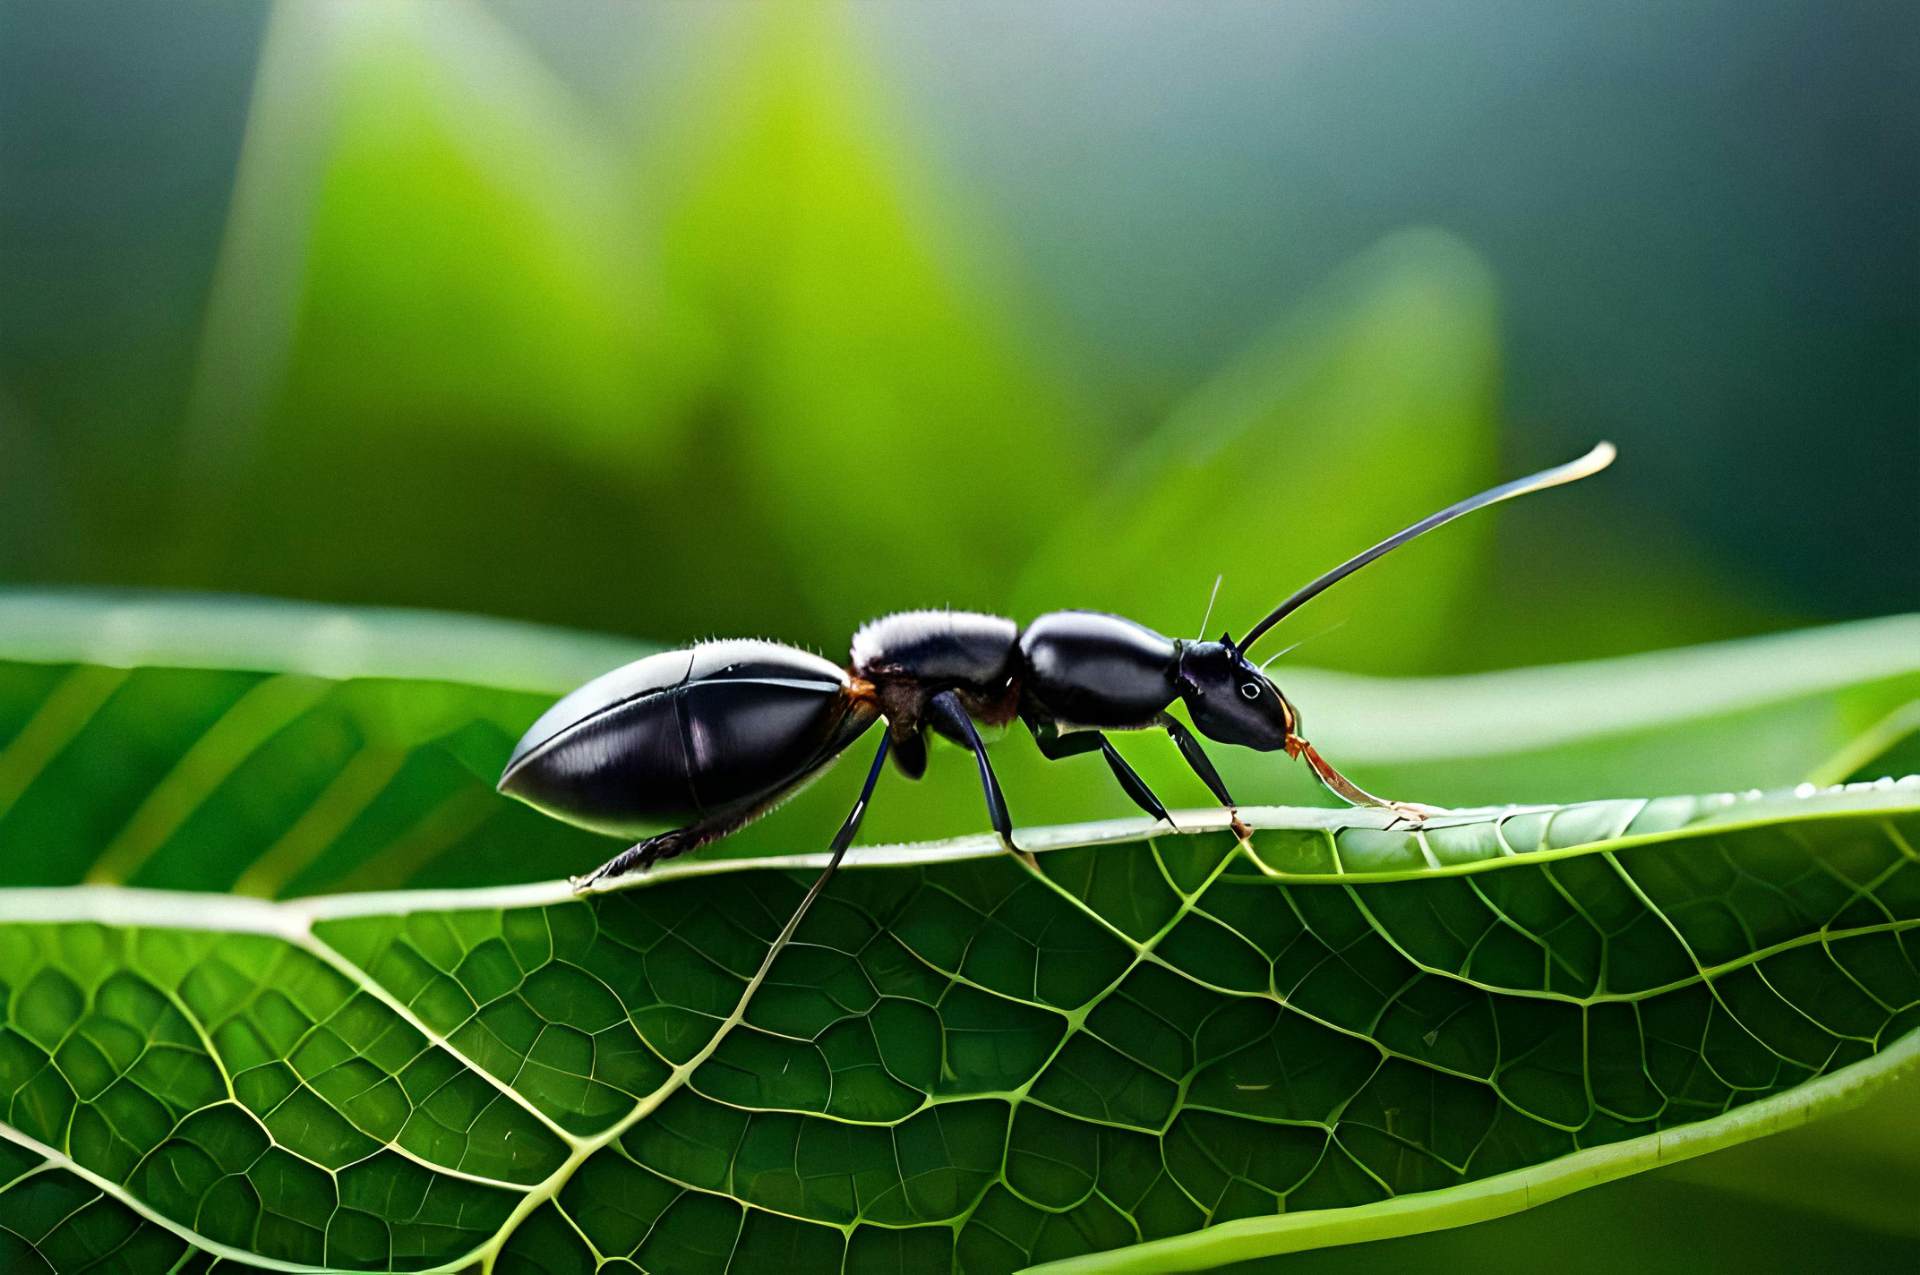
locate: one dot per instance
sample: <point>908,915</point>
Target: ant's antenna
<point>1291,647</point>
<point>1209,615</point>
<point>1592,463</point>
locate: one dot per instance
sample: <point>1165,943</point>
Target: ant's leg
<point>1202,766</point>
<point>1348,791</point>
<point>945,713</point>
<point>633,858</point>
<point>1055,744</point>
<point>679,841</point>
<point>909,751</point>
<point>848,830</point>
<point>1134,786</point>
<point>841,841</point>
<point>1196,757</point>
<point>667,845</point>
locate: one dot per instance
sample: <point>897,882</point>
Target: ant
<point>701,742</point>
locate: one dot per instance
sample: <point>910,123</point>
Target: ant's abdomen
<point>679,737</point>
<point>1088,668</point>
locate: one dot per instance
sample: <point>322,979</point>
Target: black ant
<point>702,742</point>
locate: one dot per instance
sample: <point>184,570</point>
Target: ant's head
<point>1232,701</point>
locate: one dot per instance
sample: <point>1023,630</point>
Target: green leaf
<point>270,748</point>
<point>1156,1053</point>
<point>1890,747</point>
<point>192,1070</point>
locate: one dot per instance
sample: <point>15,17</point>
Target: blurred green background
<point>677,320</point>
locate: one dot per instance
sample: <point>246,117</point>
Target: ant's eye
<point>1250,689</point>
